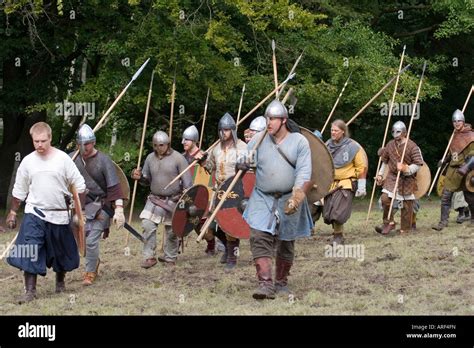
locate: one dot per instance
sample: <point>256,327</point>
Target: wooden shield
<point>78,222</point>
<point>201,177</point>
<point>423,180</point>
<point>229,217</point>
<point>323,168</point>
<point>467,181</point>
<point>189,210</point>
<point>123,184</point>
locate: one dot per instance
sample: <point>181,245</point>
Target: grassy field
<point>425,272</point>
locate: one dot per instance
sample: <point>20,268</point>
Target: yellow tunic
<point>352,171</point>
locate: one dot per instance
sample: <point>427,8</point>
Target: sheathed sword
<point>109,211</point>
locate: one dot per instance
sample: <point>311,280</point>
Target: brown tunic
<point>461,147</point>
<point>391,156</point>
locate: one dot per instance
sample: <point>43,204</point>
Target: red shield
<point>189,210</point>
<point>229,216</point>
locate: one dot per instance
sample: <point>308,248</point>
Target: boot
<point>89,277</point>
<point>444,219</point>
<point>211,247</point>
<point>460,218</point>
<point>266,289</point>
<point>30,288</point>
<point>224,255</point>
<point>338,238</point>
<point>60,283</point>
<point>413,222</point>
<point>281,276</point>
<point>221,236</point>
<point>232,252</point>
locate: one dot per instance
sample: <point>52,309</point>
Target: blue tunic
<point>275,174</point>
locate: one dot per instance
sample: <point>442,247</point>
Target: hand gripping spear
<point>140,152</point>
<point>390,108</point>
<point>449,143</point>
<point>395,189</point>
<point>335,104</point>
<point>97,126</point>
<point>376,95</point>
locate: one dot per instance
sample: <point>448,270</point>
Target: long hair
<point>342,126</point>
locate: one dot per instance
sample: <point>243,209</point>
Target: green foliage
<point>223,44</point>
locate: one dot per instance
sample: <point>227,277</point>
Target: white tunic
<point>44,182</point>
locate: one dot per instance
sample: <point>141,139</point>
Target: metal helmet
<point>318,134</point>
<point>276,109</point>
<point>258,124</point>
<point>227,122</point>
<point>160,137</point>
<point>191,133</point>
<point>458,116</point>
<point>85,135</point>
<point>398,128</point>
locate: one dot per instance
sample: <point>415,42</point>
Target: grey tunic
<point>159,172</point>
<point>274,174</point>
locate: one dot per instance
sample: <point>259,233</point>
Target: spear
<point>292,71</point>
<point>204,118</point>
<point>237,176</point>
<point>390,108</point>
<point>240,103</point>
<point>335,104</point>
<point>173,90</point>
<point>376,95</point>
<point>449,143</point>
<point>275,73</point>
<point>394,194</point>
<point>140,153</point>
<point>287,95</point>
<point>99,124</point>
<point>242,120</point>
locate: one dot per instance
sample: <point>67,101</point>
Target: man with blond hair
<point>45,236</point>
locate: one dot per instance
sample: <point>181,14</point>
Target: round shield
<point>323,168</point>
<point>123,184</point>
<point>189,210</point>
<point>423,180</point>
<point>229,217</point>
<point>469,180</point>
<point>440,185</point>
<point>201,177</point>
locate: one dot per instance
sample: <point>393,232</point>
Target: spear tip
<point>139,71</point>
